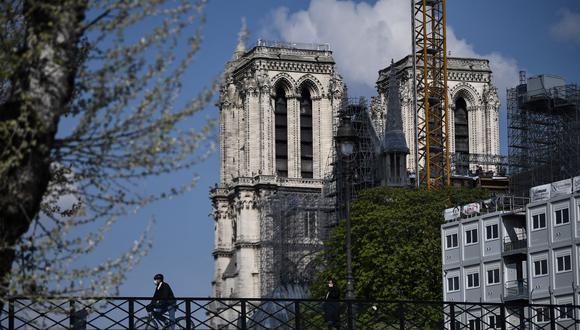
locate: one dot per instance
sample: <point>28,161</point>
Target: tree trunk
<point>42,87</point>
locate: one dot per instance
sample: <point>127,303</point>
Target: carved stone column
<point>248,228</point>
<point>255,132</point>
<point>266,115</point>
<point>222,251</point>
<point>243,136</point>
<point>223,142</point>
<point>293,136</point>
<point>317,161</point>
<point>229,100</point>
<point>336,92</point>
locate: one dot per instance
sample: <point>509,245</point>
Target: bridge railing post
<point>502,317</point>
<point>401,314</point>
<point>297,316</point>
<point>188,324</point>
<point>522,315</point>
<point>552,317</point>
<point>243,315</point>
<point>452,316</point>
<point>131,303</point>
<point>71,315</point>
<point>349,315</point>
<point>11,313</point>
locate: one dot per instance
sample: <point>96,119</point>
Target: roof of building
<point>453,64</point>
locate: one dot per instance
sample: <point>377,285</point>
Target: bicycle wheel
<point>146,323</point>
<point>181,323</point>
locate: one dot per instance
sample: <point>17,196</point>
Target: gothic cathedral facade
<point>279,107</point>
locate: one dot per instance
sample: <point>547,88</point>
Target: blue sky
<point>536,36</point>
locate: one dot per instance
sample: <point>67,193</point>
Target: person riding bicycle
<point>163,299</point>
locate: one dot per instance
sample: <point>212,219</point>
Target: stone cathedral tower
<point>277,108</point>
<point>473,103</point>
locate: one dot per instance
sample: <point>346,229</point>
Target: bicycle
<point>157,320</point>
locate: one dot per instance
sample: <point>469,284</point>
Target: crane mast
<point>430,102</point>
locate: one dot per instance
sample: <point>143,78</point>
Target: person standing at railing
<point>332,306</point>
<point>163,299</point>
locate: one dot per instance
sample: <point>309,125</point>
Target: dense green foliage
<point>396,243</point>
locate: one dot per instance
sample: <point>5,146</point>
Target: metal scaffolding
<point>362,168</point>
<point>295,222</point>
<point>294,225</point>
<point>543,135</point>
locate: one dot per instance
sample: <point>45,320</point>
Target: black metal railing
<point>520,241</point>
<point>517,289</point>
<point>290,314</point>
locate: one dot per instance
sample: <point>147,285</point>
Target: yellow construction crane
<point>432,163</point>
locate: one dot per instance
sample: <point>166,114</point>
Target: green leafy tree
<point>396,242</point>
<point>396,247</point>
<point>88,110</point>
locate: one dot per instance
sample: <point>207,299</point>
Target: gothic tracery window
<point>310,224</point>
<point>461,132</point>
<point>281,127</point>
<point>306,134</point>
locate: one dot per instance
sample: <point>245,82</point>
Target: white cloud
<point>365,37</point>
<point>505,69</point>
<point>568,28</point>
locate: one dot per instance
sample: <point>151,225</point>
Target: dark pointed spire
<point>394,138</point>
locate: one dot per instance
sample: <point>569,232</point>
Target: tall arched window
<point>306,134</point>
<point>461,131</point>
<point>234,231</point>
<point>281,126</point>
<point>310,225</point>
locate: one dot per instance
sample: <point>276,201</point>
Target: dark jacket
<point>163,295</point>
<point>332,306</point>
<point>332,294</point>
